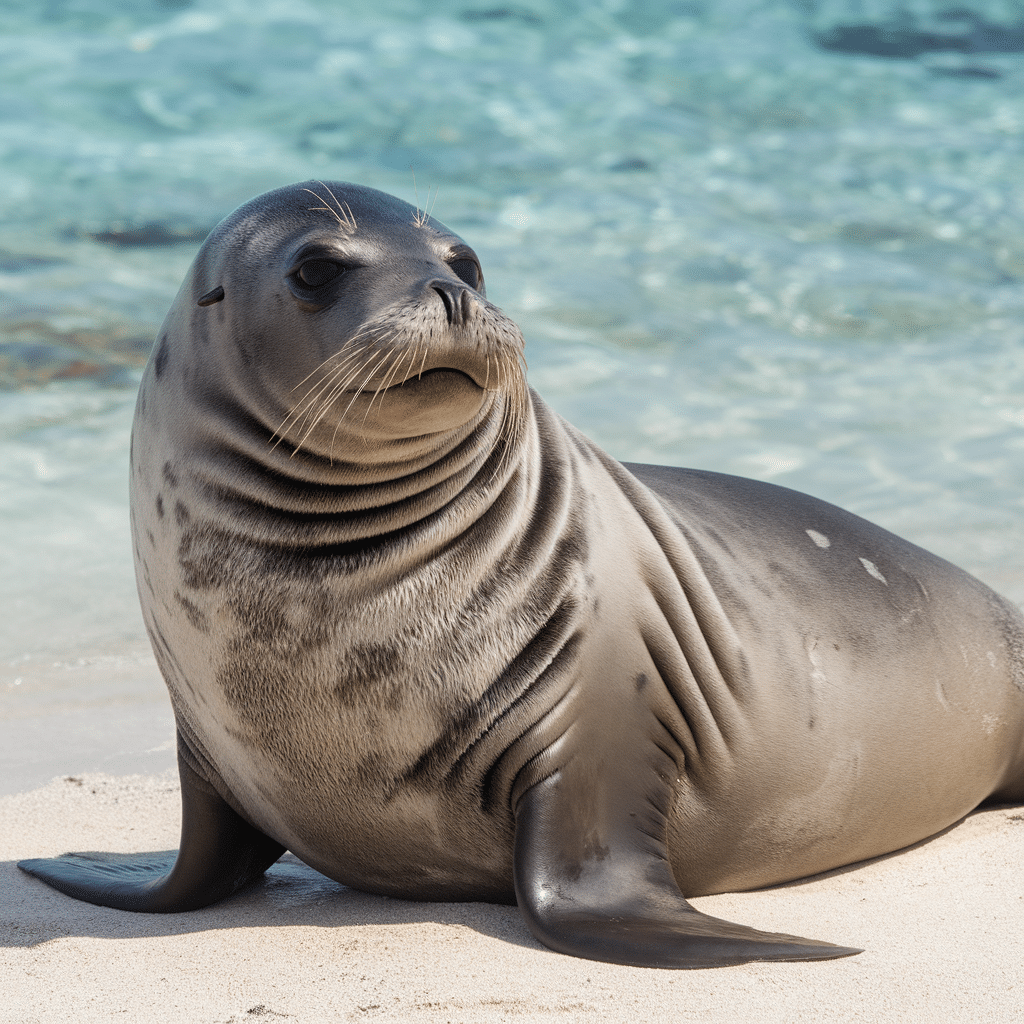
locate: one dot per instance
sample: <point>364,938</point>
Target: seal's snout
<point>457,299</point>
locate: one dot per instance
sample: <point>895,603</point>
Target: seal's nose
<point>457,299</point>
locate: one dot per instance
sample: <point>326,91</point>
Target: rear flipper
<point>220,853</point>
<point>603,890</point>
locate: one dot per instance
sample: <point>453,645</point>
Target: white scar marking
<point>989,724</point>
<point>873,570</point>
<point>817,676</point>
<point>819,538</point>
<point>991,659</point>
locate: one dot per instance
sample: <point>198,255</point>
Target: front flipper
<point>603,889</point>
<point>220,852</point>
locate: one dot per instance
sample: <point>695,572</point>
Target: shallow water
<point>728,245</point>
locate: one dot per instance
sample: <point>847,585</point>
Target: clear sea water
<point>776,238</point>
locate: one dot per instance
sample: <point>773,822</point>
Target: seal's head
<point>345,321</point>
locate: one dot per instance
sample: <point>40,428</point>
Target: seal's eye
<point>315,273</point>
<point>466,270</point>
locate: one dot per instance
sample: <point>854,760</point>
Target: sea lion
<point>421,632</point>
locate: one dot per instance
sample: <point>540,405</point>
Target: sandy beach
<point>940,923</point>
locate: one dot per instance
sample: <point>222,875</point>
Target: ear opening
<point>211,297</point>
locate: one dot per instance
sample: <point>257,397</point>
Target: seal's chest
<point>374,798</point>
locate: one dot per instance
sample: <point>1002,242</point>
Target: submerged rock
<point>892,30</point>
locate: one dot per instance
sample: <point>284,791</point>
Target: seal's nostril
<point>447,300</point>
<point>453,300</point>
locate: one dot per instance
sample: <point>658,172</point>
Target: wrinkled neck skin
<point>379,463</point>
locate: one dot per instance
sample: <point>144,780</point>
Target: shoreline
<point>940,923</point>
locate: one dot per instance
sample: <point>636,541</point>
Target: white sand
<point>942,925</point>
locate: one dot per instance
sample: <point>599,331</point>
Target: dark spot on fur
<point>211,557</point>
<point>170,476</point>
<point>276,663</point>
<point>641,682</point>
<point>160,359</point>
<point>152,539</point>
<point>195,615</point>
<point>205,556</point>
<point>264,620</point>
<point>368,673</point>
<point>181,513</point>
<point>159,506</point>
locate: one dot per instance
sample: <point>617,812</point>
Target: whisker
<point>358,392</point>
<point>327,399</point>
<point>323,391</point>
<point>512,383</point>
<point>337,388</point>
<point>389,380</point>
<point>327,389</point>
<point>320,367</point>
<point>343,214</point>
<point>345,209</point>
<point>422,216</point>
<point>381,387</point>
<point>331,374</point>
<point>305,404</point>
<point>417,220</point>
<point>325,208</point>
<point>412,359</point>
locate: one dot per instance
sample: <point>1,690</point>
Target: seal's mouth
<point>381,399</point>
<point>433,376</point>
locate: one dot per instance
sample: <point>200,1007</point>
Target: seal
<point>421,632</point>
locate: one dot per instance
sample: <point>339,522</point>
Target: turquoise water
<point>732,237</point>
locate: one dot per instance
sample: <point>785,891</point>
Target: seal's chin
<point>440,399</point>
